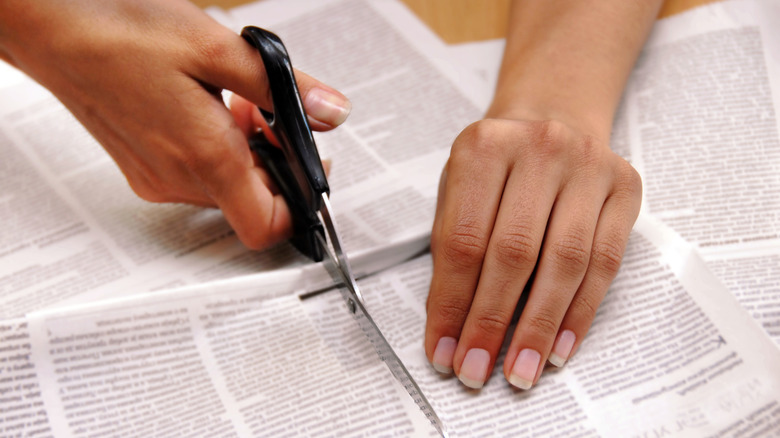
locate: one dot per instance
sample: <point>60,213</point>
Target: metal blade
<point>338,255</point>
<point>338,266</point>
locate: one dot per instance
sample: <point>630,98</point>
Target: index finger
<point>464,220</point>
<point>259,218</point>
<point>224,167</point>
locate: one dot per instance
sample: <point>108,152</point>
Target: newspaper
<point>96,343</point>
<point>699,122</point>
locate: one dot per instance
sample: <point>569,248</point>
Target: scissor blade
<point>393,362</point>
<point>337,254</point>
<point>338,266</point>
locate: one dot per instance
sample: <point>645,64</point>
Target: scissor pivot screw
<point>351,306</point>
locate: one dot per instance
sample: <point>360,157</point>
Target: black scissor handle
<point>297,168</point>
<point>306,223</point>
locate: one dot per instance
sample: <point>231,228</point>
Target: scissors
<point>297,170</point>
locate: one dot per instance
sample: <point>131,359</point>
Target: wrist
<point>569,61</point>
<point>535,86</point>
<point>592,121</point>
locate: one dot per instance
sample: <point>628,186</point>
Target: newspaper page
<point>389,64</point>
<point>669,354</point>
<point>224,360</point>
<point>699,122</point>
<point>74,232</point>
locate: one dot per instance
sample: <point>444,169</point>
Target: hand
<point>524,205</point>
<point>144,77</point>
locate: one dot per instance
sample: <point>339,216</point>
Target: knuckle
<point>628,179</point>
<point>213,48</point>
<point>550,137</point>
<point>150,195</point>
<point>202,158</point>
<point>584,308</point>
<point>451,313</point>
<point>571,254</point>
<point>551,130</point>
<point>606,257</point>
<point>150,191</point>
<point>492,324</point>
<point>476,141</point>
<point>255,232</point>
<point>591,154</point>
<point>254,241</point>
<point>210,168</point>
<point>198,163</point>
<point>463,246</point>
<point>555,142</point>
<point>542,324</point>
<point>516,247</point>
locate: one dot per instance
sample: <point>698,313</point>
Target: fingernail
<point>327,107</point>
<point>562,348</point>
<point>442,356</point>
<point>524,369</point>
<point>473,372</point>
<point>327,164</point>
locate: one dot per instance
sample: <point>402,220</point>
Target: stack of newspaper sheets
<point>123,318</point>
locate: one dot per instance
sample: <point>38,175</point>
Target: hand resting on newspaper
<point>531,198</point>
<point>534,209</point>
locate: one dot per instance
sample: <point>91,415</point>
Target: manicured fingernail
<point>327,164</point>
<point>524,369</point>
<point>562,348</point>
<point>442,356</point>
<point>473,372</point>
<point>330,108</point>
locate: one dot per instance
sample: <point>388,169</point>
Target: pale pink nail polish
<point>473,372</point>
<point>562,348</point>
<point>442,356</point>
<point>327,107</point>
<point>524,369</point>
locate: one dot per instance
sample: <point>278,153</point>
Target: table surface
<point>467,20</point>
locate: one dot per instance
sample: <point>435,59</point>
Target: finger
<point>467,209</point>
<point>228,61</point>
<point>326,108</point>
<point>259,217</point>
<point>221,164</point>
<point>242,112</point>
<point>244,193</point>
<point>246,115</point>
<point>327,164</point>
<point>439,213</point>
<point>611,237</point>
<point>562,265</point>
<point>511,256</point>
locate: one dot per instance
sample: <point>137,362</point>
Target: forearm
<point>554,206</point>
<point>569,60</point>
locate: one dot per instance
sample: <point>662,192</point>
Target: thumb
<point>237,66</point>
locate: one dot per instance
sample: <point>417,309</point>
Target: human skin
<point>532,187</point>
<point>533,198</point>
<point>144,77</point>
